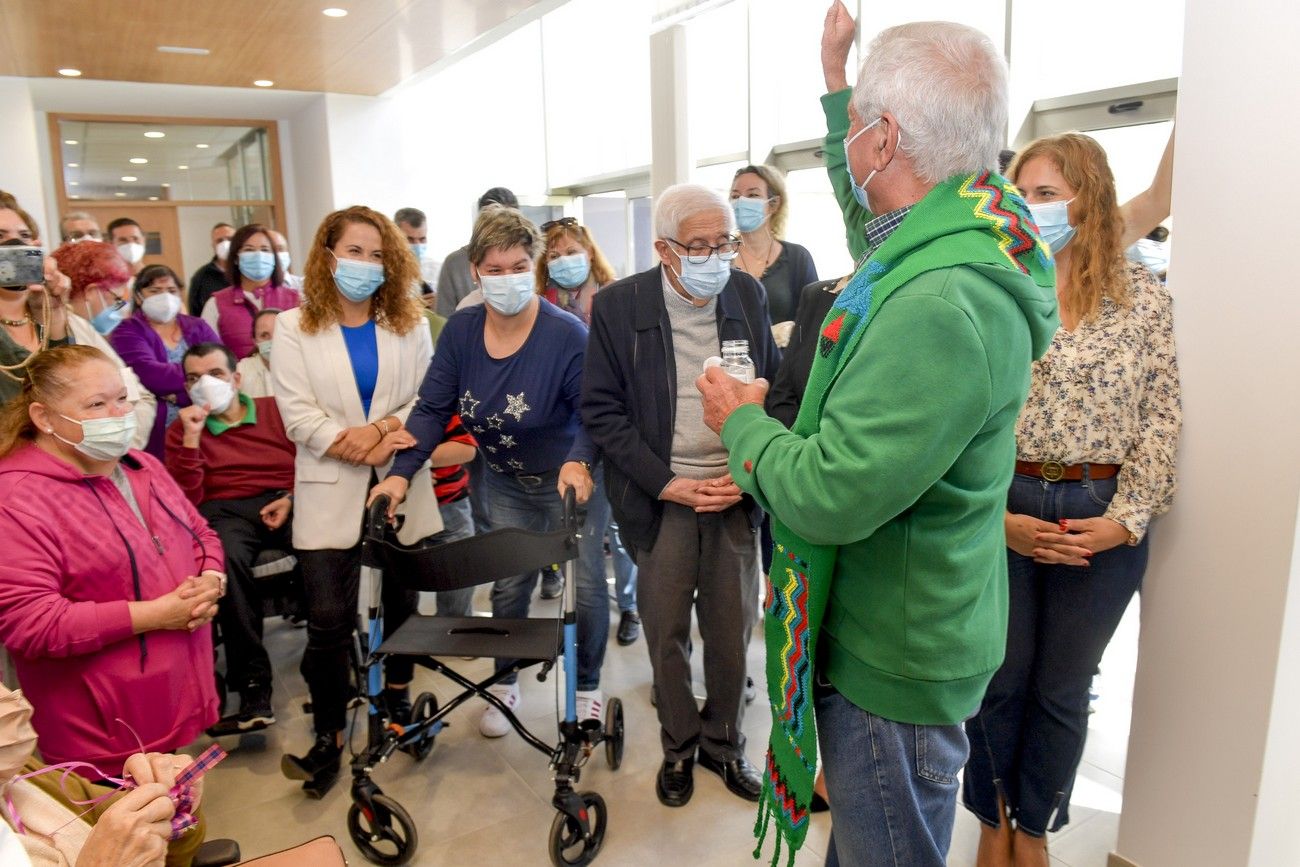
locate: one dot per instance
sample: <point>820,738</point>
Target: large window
<point>717,87</point>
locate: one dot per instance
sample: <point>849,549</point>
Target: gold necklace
<point>17,323</point>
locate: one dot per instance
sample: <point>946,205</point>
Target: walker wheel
<point>614,734</point>
<point>421,712</point>
<point>383,832</point>
<point>568,847</point>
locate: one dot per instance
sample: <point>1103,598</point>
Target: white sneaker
<point>591,705</point>
<point>493,723</point>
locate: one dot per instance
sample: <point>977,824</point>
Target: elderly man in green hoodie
<point>886,606</point>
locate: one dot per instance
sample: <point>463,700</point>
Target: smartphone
<point>21,266</point>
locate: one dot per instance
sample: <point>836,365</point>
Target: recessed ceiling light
<point>74,183</point>
<point>120,195</point>
<point>182,168</point>
<point>138,161</point>
<point>263,82</point>
<point>129,178</point>
<point>181,49</point>
<point>202,146</point>
<point>74,197</point>
<point>153,198</point>
<point>73,165</point>
<point>70,141</point>
<point>70,72</point>
<point>334,12</point>
<point>154,133</point>
<point>164,185</point>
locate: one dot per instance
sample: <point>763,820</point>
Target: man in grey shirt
<point>684,520</point>
<point>454,280</point>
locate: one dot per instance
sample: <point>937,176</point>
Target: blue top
<point>363,350</point>
<point>175,356</point>
<point>523,410</point>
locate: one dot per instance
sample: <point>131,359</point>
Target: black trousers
<point>331,580</point>
<point>239,614</point>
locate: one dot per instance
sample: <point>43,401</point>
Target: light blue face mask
<point>750,213</point>
<point>507,294</point>
<point>110,317</point>
<point>357,280</point>
<point>256,264</point>
<point>419,250</point>
<point>860,190</point>
<point>571,271</point>
<point>707,279</point>
<point>1053,222</point>
<point>1153,254</point>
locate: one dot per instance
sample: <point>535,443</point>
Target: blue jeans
<point>519,501</point>
<point>599,525</point>
<point>1028,737</point>
<point>457,524</point>
<point>892,786</point>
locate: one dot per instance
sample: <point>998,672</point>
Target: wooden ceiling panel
<point>375,47</point>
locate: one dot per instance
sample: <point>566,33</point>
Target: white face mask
<point>215,394</point>
<point>132,253</point>
<point>103,439</point>
<point>161,308</point>
<point>223,250</point>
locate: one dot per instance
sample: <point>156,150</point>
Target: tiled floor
<point>487,802</point>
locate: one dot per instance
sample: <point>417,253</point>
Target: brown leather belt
<point>1055,471</point>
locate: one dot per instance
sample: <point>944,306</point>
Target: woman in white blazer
<point>348,364</point>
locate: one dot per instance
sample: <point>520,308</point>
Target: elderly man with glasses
<point>691,531</point>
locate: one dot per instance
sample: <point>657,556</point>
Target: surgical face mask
<point>860,190</point>
<point>110,317</point>
<point>215,394</point>
<point>570,271</point>
<point>17,737</point>
<point>161,308</point>
<point>1053,221</point>
<point>104,439</point>
<point>223,250</point>
<point>132,253</point>
<point>285,261</point>
<point>264,350</point>
<point>750,213</point>
<point>357,280</point>
<point>419,250</point>
<point>1153,254</point>
<point>256,264</point>
<point>507,294</point>
<point>706,280</point>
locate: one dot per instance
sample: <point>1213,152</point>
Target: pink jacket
<point>66,576</point>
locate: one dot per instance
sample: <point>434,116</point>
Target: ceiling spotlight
<point>74,197</point>
<point>202,146</point>
<point>164,185</point>
<point>263,82</point>
<point>153,198</point>
<point>73,165</point>
<point>129,178</point>
<point>182,168</point>
<point>138,161</point>
<point>74,183</point>
<point>120,195</point>
<point>69,141</point>
<point>334,12</point>
<point>70,72</point>
<point>154,133</point>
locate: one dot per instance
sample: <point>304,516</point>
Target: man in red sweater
<point>232,458</point>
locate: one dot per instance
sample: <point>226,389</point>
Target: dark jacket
<point>791,381</point>
<point>206,282</point>
<point>629,388</point>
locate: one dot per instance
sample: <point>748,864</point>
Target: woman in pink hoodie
<point>109,576</point>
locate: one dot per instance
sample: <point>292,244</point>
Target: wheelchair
<point>379,826</point>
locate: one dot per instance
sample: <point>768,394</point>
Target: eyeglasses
<point>563,221</point>
<point>698,254</point>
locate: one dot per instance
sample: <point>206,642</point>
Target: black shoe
<point>751,692</point>
<point>319,767</point>
<point>397,702</point>
<point>551,584</point>
<point>739,776</point>
<point>818,804</point>
<point>255,712</point>
<point>629,628</point>
<point>676,782</point>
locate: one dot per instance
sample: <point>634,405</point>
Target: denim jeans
<point>1028,737</point>
<point>516,501</point>
<point>457,524</point>
<point>599,526</point>
<point>892,786</point>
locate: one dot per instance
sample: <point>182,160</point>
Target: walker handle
<point>377,518</point>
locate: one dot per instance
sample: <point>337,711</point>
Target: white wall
<point>20,172</point>
<point>1213,751</point>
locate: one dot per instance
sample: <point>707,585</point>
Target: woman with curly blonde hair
<point>348,364</point>
<point>1095,447</point>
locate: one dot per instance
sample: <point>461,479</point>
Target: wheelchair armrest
<point>217,853</point>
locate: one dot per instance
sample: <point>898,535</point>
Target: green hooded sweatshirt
<point>908,475</point>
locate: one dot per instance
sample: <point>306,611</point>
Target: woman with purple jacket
<point>256,282</point>
<point>153,341</point>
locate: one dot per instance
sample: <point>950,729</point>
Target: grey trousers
<point>709,562</point>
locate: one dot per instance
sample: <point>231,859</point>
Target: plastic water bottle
<point>736,361</point>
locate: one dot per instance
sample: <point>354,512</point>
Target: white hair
<point>947,86</point>
<point>681,201</point>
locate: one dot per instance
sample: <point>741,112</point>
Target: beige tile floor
<point>487,802</point>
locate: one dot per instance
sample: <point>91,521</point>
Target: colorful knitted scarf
<point>964,220</point>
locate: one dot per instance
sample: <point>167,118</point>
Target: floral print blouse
<point>1108,393</point>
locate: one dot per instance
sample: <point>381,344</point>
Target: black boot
<point>319,768</point>
<point>397,703</point>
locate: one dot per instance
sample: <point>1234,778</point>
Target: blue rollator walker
<point>381,828</point>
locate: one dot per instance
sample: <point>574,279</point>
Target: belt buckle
<point>1053,471</point>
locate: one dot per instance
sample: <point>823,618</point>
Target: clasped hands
<point>365,446</point>
<point>1072,542</point>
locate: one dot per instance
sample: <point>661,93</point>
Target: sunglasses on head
<point>563,221</point>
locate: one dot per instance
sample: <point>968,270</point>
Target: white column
<point>670,152</point>
<point>22,155</point>
<point>1214,751</point>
